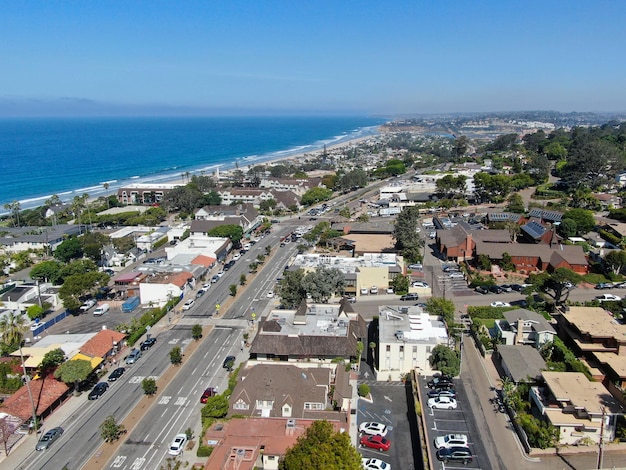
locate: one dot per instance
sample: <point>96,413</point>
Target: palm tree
<point>12,329</point>
<point>373,348</point>
<point>106,196</point>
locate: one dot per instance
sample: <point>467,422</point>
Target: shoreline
<point>271,158</point>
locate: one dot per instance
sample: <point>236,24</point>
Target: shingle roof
<point>572,254</point>
<point>550,216</point>
<point>522,362</point>
<point>540,324</point>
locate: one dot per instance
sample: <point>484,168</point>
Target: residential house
<point>577,407</point>
<point>295,185</point>
<point>18,239</point>
<point>520,363</point>
<point>284,391</point>
<point>144,193</point>
<point>608,201</point>
<point>104,345</point>
<point>312,333</point>
<point>521,326</point>
<point>47,393</point>
<point>407,336</point>
<point>244,215</point>
<point>159,288</point>
<point>459,242</point>
<point>534,232</point>
<point>545,216</point>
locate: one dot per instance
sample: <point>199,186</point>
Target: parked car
<point>455,454</point>
<point>208,392</point>
<point>236,256</point>
<point>229,265</point>
<point>507,287</point>
<point>178,444</point>
<point>214,279</point>
<point>456,276</point>
<point>442,403</point>
<point>270,294</point>
<point>48,438</point>
<point>373,290</point>
<point>451,440</point>
<point>604,285</point>
<point>373,428</point>
<point>517,287</point>
<point>364,291</point>
<point>200,293</point>
<point>499,303</point>
<point>409,297</point>
<point>98,391</point>
<point>439,379</point>
<point>419,284</point>
<point>377,442</point>
<point>496,289</point>
<point>441,392</point>
<point>351,299</point>
<point>148,343</point>
<point>481,289</point>
<point>133,357</point>
<point>116,374</point>
<point>608,298</point>
<point>375,464</point>
<point>229,362</point>
<point>101,310</point>
<point>188,304</point>
<point>417,266</point>
<point>88,304</point>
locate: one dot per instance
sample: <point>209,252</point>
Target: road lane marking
<point>165,400</point>
<point>119,461</point>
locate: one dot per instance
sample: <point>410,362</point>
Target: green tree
<point>111,431</point>
<point>515,203</point>
<point>74,372</point>
<point>446,360</point>
<point>322,447</point>
<point>406,235</point>
<point>212,198</point>
<point>216,407</point>
<point>196,332</point>
<point>242,279</point>
<point>567,228</point>
<point>395,167</point>
<point>267,205</point>
<point>322,283</point>
<point>78,285</point>
<point>149,386</point>
<point>555,284</point>
<point>34,311</point>
<point>232,231</point>
<point>400,284</point>
<point>51,360</point>
<point>315,195</point>
<point>615,261</point>
<point>345,212</point>
<point>68,250</point>
<point>290,289</point>
<point>583,218</point>
<point>233,289</point>
<point>46,271</point>
<point>12,330</point>
<point>176,356</point>
<point>441,307</point>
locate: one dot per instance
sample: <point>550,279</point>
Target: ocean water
<point>68,157</point>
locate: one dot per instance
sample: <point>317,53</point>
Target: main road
<point>178,405</point>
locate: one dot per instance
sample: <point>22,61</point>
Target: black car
<point>116,374</point>
<point>229,265</point>
<point>410,297</point>
<point>455,454</point>
<point>147,344</point>
<point>481,290</point>
<point>517,287</point>
<point>229,362</point>
<point>442,392</point>
<point>439,381</point>
<point>496,289</point>
<point>98,391</point>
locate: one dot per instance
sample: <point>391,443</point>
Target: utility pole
<point>601,443</point>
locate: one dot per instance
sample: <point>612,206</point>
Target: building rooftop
<point>596,322</point>
<point>576,389</point>
<point>345,264</point>
<point>409,325</point>
<point>319,320</point>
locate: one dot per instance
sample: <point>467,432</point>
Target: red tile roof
<point>202,260</point>
<point>45,393</point>
<point>102,343</point>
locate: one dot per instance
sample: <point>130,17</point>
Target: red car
<point>377,442</point>
<point>209,392</point>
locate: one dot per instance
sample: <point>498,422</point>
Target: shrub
<point>364,390</point>
<point>204,451</point>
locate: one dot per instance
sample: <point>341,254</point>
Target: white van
<point>101,309</point>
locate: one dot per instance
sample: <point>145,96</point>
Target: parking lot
<point>457,421</point>
<point>389,406</point>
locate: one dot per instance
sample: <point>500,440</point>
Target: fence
<point>44,326</point>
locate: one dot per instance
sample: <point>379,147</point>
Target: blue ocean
<point>69,157</point>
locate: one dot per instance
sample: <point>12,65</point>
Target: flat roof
<point>577,389</point>
<point>319,320</point>
<point>344,263</point>
<point>414,326</point>
<point>596,322</point>
<point>614,361</point>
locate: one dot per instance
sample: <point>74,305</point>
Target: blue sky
<point>295,56</point>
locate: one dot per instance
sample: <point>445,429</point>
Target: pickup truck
<point>87,305</point>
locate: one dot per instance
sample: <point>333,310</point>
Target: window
<point>388,349</point>
<point>313,406</point>
<point>241,405</point>
<point>401,349</point>
<point>427,349</point>
<point>414,349</point>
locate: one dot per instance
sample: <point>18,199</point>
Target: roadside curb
<point>106,451</point>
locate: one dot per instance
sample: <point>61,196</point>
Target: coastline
<point>271,158</point>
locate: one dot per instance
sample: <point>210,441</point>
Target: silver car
<point>48,438</point>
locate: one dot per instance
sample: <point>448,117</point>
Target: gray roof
<point>457,235</point>
<point>550,216</point>
<point>522,362</point>
<point>503,216</point>
<point>533,229</point>
<point>539,323</point>
<point>572,254</point>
